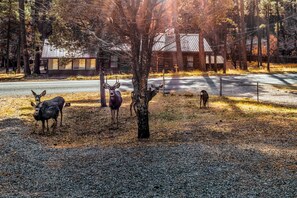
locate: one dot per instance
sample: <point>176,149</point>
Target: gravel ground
<point>31,169</point>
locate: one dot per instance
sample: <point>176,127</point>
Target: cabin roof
<point>50,51</point>
<point>163,43</point>
<point>189,43</point>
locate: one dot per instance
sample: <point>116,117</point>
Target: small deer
<point>115,100</point>
<point>203,98</point>
<point>150,94</point>
<point>44,112</point>
<point>59,101</point>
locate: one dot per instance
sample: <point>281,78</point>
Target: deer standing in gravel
<point>115,100</point>
<point>44,112</point>
<point>150,94</point>
<point>203,98</point>
<point>59,101</point>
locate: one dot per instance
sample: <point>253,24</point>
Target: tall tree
<point>179,56</point>
<point>25,53</point>
<point>243,37</point>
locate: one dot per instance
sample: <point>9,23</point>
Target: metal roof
<point>49,51</point>
<point>163,43</point>
<point>189,43</point>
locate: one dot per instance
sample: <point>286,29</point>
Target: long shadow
<point>280,79</point>
<point>212,85</point>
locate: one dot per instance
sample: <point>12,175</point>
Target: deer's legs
<point>117,117</point>
<point>61,124</point>
<point>112,115</point>
<point>43,126</point>
<point>47,125</point>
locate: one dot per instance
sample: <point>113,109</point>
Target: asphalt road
<point>243,85</point>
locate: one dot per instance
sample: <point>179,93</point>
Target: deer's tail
<point>67,104</point>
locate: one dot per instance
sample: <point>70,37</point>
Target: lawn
<point>174,119</point>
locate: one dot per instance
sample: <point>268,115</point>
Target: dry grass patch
<point>174,119</point>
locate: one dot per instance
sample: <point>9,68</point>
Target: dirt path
<point>31,169</point>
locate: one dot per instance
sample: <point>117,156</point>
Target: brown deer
<point>44,112</point>
<point>59,101</point>
<point>115,100</point>
<point>150,94</point>
<point>203,98</point>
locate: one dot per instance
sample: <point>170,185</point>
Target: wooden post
<point>257,91</point>
<point>221,86</point>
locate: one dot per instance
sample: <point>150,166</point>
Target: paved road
<point>244,86</point>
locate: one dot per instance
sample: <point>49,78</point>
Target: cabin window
<point>65,64</point>
<point>114,61</point>
<point>190,61</point>
<point>53,64</point>
<point>91,64</point>
<point>79,64</point>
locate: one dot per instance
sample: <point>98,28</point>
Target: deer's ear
<point>117,85</point>
<point>33,93</point>
<point>152,86</point>
<point>161,86</point>
<point>43,93</point>
<point>33,104</point>
<point>106,86</point>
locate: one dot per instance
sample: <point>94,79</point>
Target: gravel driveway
<point>31,169</point>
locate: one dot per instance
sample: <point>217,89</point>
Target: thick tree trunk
<point>100,65</point>
<point>179,56</point>
<point>143,120</point>
<point>25,53</point>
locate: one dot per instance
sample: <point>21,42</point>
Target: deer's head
<point>38,96</point>
<point>155,88</point>
<point>112,88</point>
<point>37,108</point>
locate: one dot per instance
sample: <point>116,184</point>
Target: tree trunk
<point>243,40</point>
<point>277,30</point>
<point>251,48</point>
<point>8,37</point>
<point>18,70</point>
<point>179,56</point>
<point>100,64</point>
<point>37,61</point>
<point>25,53</point>
<point>202,57</point>
<point>225,55</point>
<point>268,38</point>
<point>259,35</point>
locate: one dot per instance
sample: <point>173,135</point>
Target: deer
<point>59,101</point>
<point>150,94</point>
<point>44,112</point>
<point>115,100</point>
<point>203,98</point>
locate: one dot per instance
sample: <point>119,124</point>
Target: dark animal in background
<point>59,101</point>
<point>150,93</point>
<point>203,98</point>
<point>115,100</point>
<point>44,112</point>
